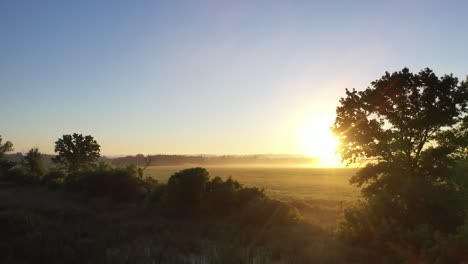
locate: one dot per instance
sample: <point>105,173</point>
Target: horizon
<point>207,76</point>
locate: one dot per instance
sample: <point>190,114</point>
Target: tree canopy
<point>408,129</point>
<point>35,163</point>
<point>76,151</point>
<point>398,115</point>
<point>5,147</point>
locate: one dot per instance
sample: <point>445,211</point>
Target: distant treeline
<point>173,160</point>
<point>164,160</point>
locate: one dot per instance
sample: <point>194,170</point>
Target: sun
<point>316,140</point>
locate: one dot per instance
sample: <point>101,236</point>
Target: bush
<point>119,184</point>
<point>5,166</point>
<point>54,179</point>
<point>185,191</point>
<point>191,193</point>
<point>247,194</point>
<point>53,175</point>
<point>30,169</point>
<point>220,197</point>
<point>266,211</point>
<point>156,197</point>
<point>21,174</point>
<point>372,225</point>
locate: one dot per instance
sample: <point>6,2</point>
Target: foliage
<point>119,184</point>
<point>54,174</point>
<point>19,173</point>
<point>5,165</point>
<point>191,193</point>
<point>34,162</point>
<point>220,196</point>
<point>185,191</point>
<point>40,226</point>
<point>409,131</point>
<point>5,147</point>
<point>398,115</point>
<point>76,151</point>
<point>364,225</point>
<point>31,169</point>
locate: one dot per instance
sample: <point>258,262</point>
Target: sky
<point>212,77</point>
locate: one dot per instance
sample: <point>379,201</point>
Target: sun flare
<point>318,141</point>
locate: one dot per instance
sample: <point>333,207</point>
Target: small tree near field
<point>76,151</point>
<point>35,163</point>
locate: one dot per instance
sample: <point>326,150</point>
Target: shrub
<point>53,175</point>
<point>5,166</point>
<point>21,174</point>
<point>266,211</point>
<point>119,184</point>
<point>191,192</point>
<point>29,170</point>
<point>221,197</point>
<point>185,191</point>
<point>54,179</point>
<point>247,194</point>
<point>157,196</point>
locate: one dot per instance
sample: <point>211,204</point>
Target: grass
<point>43,226</point>
<point>319,193</point>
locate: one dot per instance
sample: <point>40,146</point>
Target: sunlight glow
<point>316,140</point>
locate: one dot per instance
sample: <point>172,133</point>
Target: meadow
<point>320,194</point>
<point>47,225</point>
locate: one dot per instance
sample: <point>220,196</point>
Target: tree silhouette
<point>397,128</point>
<point>5,147</point>
<point>76,151</point>
<point>185,191</point>
<point>33,160</point>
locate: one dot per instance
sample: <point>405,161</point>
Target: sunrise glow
<point>316,140</point>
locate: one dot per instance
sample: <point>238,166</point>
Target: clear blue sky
<point>206,76</point>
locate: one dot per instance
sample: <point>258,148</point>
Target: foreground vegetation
<point>409,130</point>
<point>81,211</point>
<point>221,222</point>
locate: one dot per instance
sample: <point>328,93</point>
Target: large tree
<point>399,128</point>
<point>76,151</point>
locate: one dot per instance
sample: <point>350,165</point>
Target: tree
<point>35,164</point>
<point>5,147</point>
<point>76,151</point>
<point>5,164</point>
<point>398,128</point>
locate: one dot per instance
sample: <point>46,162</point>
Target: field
<point>45,225</point>
<point>319,193</point>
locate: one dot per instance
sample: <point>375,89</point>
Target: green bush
<point>54,179</point>
<point>22,175</point>
<point>31,169</point>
